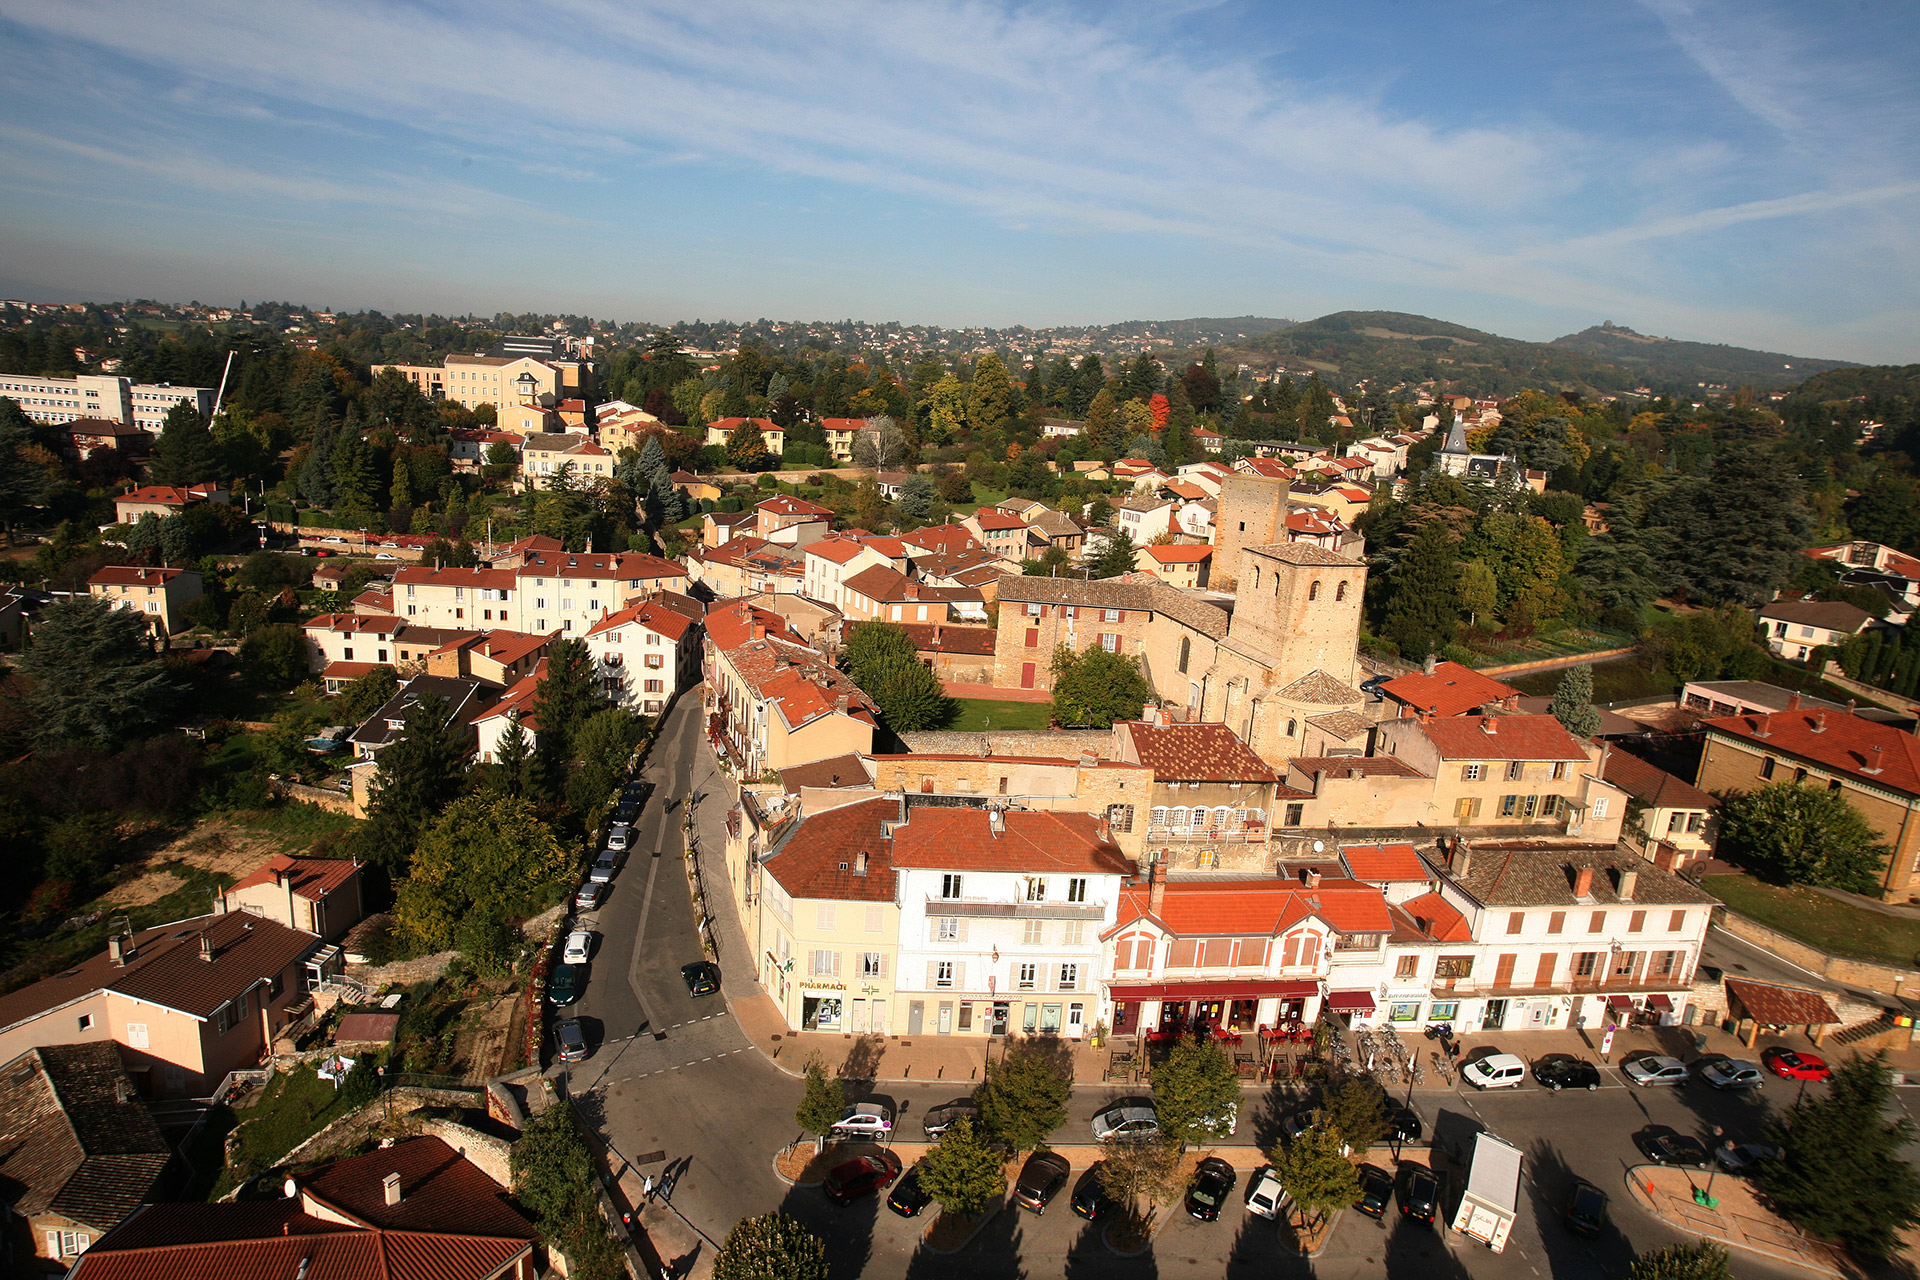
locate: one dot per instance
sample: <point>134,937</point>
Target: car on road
<point>1495,1071</point>
<point>1265,1196</point>
<point>1559,1071</point>
<point>1125,1121</point>
<point>908,1197</point>
<point>564,987</point>
<point>1662,1145</point>
<point>702,978</point>
<point>1213,1182</point>
<point>939,1119</point>
<point>1733,1074</point>
<point>604,868</point>
<point>1403,1124</point>
<point>570,1041</point>
<point>589,896</point>
<point>1655,1068</point>
<point>1419,1193</point>
<point>862,1175</point>
<point>864,1120</point>
<point>1790,1065</point>
<point>1041,1178</point>
<point>617,836</point>
<point>579,947</point>
<point>1586,1209</point>
<point>1376,1190</point>
<point>1090,1199</point>
<point>1741,1157</point>
<point>625,812</point>
<point>333,539</point>
<point>322,553</point>
<point>386,555</point>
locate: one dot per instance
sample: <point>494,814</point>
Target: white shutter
<point>136,1035</point>
<point>960,975</point>
<point>53,1244</point>
<point>963,929</point>
<point>933,973</point>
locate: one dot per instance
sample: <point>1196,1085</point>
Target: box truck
<point>1492,1194</point>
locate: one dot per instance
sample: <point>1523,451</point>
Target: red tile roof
<point>1378,863</point>
<point>650,614</point>
<point>1438,918</point>
<point>1871,753</point>
<point>731,626</point>
<point>820,858</point>
<point>786,504</point>
<point>1365,766</point>
<point>837,549</point>
<point>1452,690</point>
<point>313,878</point>
<point>626,566</point>
<point>491,579</point>
<point>1503,738</point>
<point>348,670</point>
<point>963,840</point>
<point>1652,785</point>
<point>354,622</point>
<point>994,518</point>
<point>162,494</point>
<point>941,537</point>
<point>1172,553</point>
<point>933,637</point>
<point>126,575</point>
<point>1194,753</point>
<point>1777,1006</point>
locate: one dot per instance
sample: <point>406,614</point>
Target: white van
<point>1495,1071</point>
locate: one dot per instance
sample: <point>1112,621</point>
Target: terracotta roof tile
<point>1871,753</point>
<point>1384,862</point>
<point>1502,875</point>
<point>1437,918</point>
<point>931,637</point>
<point>963,840</point>
<point>1503,738</point>
<point>1452,690</point>
<point>1776,1006</point>
<point>1216,908</point>
<point>313,878</point>
<point>117,575</point>
<point>820,856</point>
<point>1365,766</point>
<point>1651,785</point>
<point>1194,753</point>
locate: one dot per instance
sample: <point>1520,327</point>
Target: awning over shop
<point>1663,1003</point>
<point>1350,1002</point>
<point>1619,1002</point>
<point>1252,989</point>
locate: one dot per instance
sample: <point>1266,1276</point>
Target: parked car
<point>1560,1071</point>
<point>603,869</point>
<point>570,1041</point>
<point>864,1120</point>
<point>939,1119</point>
<point>1655,1068</point>
<point>386,555</point>
<point>1419,1193</point>
<point>1376,1190</point>
<point>1090,1199</point>
<point>1495,1071</point>
<point>579,947</point>
<point>1662,1145</point>
<point>1790,1065</point>
<point>1212,1183</point>
<point>589,896</point>
<point>1265,1196</point>
<point>617,836</point>
<point>1403,1123</point>
<point>1123,1120</point>
<point>1733,1074</point>
<point>563,988</point>
<point>1586,1209</point>
<point>1741,1157</point>
<point>701,977</point>
<point>861,1176</point>
<point>1041,1178</point>
<point>908,1197</point>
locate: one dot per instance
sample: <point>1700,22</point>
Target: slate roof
<point>1778,1006</point>
<point>1653,786</point>
<point>1545,876</point>
<point>1318,686</point>
<point>963,840</point>
<point>808,860</point>
<point>464,697</point>
<point>74,1138</point>
<point>1870,753</point>
<point>1452,690</point>
<point>1195,753</point>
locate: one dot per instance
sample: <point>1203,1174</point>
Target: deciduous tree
<point>1025,1097</point>
<point>1792,833</point>
<point>1694,1260</point>
<point>1318,1177</point>
<point>1095,688</point>
<point>822,1101</point>
<point>1193,1088</point>
<point>962,1173</point>
<point>487,858</point>
<point>774,1246</point>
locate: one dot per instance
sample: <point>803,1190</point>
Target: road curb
<point>971,1235</point>
<point>1636,1192</point>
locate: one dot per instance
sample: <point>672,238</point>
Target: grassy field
<point>1820,921</point>
<point>296,1105</point>
<point>977,714</point>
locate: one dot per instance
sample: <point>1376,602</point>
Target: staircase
<point>1862,1030</point>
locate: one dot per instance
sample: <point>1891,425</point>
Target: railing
<point>424,1080</point>
<point>1191,834</point>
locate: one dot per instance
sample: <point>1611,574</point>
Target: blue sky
<point>1738,172</point>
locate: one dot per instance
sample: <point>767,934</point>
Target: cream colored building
<point>496,380</point>
<point>158,595</point>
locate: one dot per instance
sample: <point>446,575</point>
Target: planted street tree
<point>1025,1097</point>
<point>1696,1260</point>
<point>962,1173</point>
<point>1193,1089</point>
<point>822,1101</point>
<point>1840,1175</point>
<point>1315,1173</point>
<point>1356,1109</point>
<point>774,1246</point>
<point>1788,832</point>
<point>1142,1175</point>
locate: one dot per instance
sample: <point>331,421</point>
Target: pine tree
<point>514,766</point>
<point>94,676</point>
<point>1572,703</point>
<point>1423,607</point>
<point>1117,557</point>
<point>653,461</point>
<point>567,695</point>
<point>990,398</point>
<point>419,775</point>
<point>316,474</point>
<point>186,452</point>
<point>1103,421</point>
<point>400,493</point>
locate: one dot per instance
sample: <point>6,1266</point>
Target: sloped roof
<point>1452,690</point>
<point>1503,738</point>
<point>1195,753</point>
<point>1437,918</point>
<point>1871,753</point>
<point>1344,725</point>
<point>849,770</point>
<point>1384,862</point>
<point>650,614</point>
<point>820,856</point>
<point>1179,553</point>
<point>963,840</point>
<point>931,637</point>
<point>1777,1006</point>
<point>1834,615</point>
<point>74,1138</point>
<point>162,495</point>
<point>787,504</point>
<point>313,878</point>
<point>123,575</point>
<point>1502,875</point>
<point>1215,908</point>
<point>1365,766</point>
<point>1318,686</point>
<point>1653,786</point>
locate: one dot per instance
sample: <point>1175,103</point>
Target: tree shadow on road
<point>847,1229</point>
<point>1413,1250</point>
<point>1549,1184</point>
<point>862,1066</point>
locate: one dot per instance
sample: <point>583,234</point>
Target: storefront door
<point>998,1026</point>
<point>858,1022</point>
<point>1495,1017</point>
<point>1244,1015</point>
<point>1124,1014</point>
<point>946,1018</point>
<point>916,1016</point>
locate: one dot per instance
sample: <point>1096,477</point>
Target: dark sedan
<point>564,987</point>
<point>1559,1071</point>
<point>1376,1190</point>
<point>1419,1194</point>
<point>702,978</point>
<point>861,1176</point>
<point>1090,1199</point>
<point>1040,1180</point>
<point>908,1197</point>
<point>1586,1209</point>
<point>1403,1124</point>
<point>1663,1146</point>
<point>1212,1183</point>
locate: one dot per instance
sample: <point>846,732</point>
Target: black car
<point>1419,1194</point>
<point>937,1120</point>
<point>702,978</point>
<point>1563,1071</point>
<point>860,1176</point>
<point>1586,1209</point>
<point>564,987</point>
<point>1090,1199</point>
<point>1212,1183</point>
<point>1376,1189</point>
<point>1403,1124</point>
<point>908,1197</point>
<point>1742,1157</point>
<point>1040,1180</point>
<point>1663,1146</point>
<point>570,1040</point>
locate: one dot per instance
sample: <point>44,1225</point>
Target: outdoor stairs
<point>1862,1030</point>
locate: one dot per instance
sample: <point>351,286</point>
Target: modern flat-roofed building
<point>139,404</point>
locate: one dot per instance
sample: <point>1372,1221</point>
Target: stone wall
<point>319,797</point>
<point>1885,979</point>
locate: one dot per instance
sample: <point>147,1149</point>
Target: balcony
<point>1194,833</point>
<point>1003,909</point>
<point>1450,987</point>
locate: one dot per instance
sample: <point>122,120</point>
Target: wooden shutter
<point>1503,969</point>
<point>960,972</point>
<point>1544,978</point>
<point>933,973</point>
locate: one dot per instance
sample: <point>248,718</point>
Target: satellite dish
<point>1319,846</point>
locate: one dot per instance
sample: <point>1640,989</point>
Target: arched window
<point>1340,592</point>
<point>1186,651</point>
<point>1292,727</point>
<point>1256,577</point>
<point>1313,592</point>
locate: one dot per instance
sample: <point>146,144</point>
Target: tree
<point>23,485</point>
<point>962,1173</point>
<point>1096,688</point>
<point>822,1101</point>
<point>1572,703</point>
<point>274,657</point>
<point>944,410</point>
<point>1103,422</point>
<point>553,1175</point>
<point>186,452</point>
<point>513,765</point>
<point>1318,1177</point>
<point>1479,593</point>
<point>364,695</point>
<point>1840,1174</point>
<point>1423,606</point>
<point>1025,1098</point>
<point>94,677</point>
<point>990,398</point>
<point>1116,557</point>
<point>1743,525</point>
<point>601,749</point>
<point>911,697</point>
<point>418,774</point>
<point>747,449</point>
<point>1132,1170</point>
<point>1791,833</point>
<point>879,445</point>
<point>774,1246</point>
<point>1695,1260</point>
<point>916,497</point>
<point>566,696</point>
<point>488,858</point>
<point>1194,1086</point>
<point>1356,1110</point>
<point>872,649</point>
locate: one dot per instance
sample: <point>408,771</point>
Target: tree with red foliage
<point>1160,406</point>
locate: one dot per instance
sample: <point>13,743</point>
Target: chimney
<point>1583,883</point>
<point>117,950</point>
<point>1819,722</point>
<point>996,823</point>
<point>1103,829</point>
<point>759,630</point>
<point>1629,881</point>
<point>1793,702</point>
<point>1428,666</point>
<point>391,1185</point>
<point>1487,725</point>
<point>1156,886</point>
<point>206,948</point>
<point>1309,878</point>
<point>1873,759</point>
<point>860,863</point>
<point>1462,859</point>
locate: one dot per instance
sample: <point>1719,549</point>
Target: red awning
<point>1253,989</point>
<point>1619,1002</point>
<point>1661,1003</point>
<point>1350,1002</point>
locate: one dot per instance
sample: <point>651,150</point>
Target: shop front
<point>1166,1010</point>
<point>1354,1008</point>
<point>821,1010</point>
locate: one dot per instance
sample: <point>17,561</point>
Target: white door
<point>879,1019</point>
<point>136,1035</point>
<point>859,1023</point>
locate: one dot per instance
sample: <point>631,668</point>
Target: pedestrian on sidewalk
<point>646,1187</point>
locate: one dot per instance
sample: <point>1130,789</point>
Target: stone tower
<point>1253,513</point>
<point>1299,604</point>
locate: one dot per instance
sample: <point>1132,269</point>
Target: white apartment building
<point>646,653</point>
<point>827,564</point>
<point>561,591</point>
<point>63,400</point>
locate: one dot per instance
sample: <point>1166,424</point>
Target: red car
<point>861,1176</point>
<point>1796,1066</point>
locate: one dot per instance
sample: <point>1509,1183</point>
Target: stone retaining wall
<point>1885,979</point>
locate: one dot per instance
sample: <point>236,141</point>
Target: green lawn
<point>296,1105</point>
<point>977,714</point>
<point>1820,921</point>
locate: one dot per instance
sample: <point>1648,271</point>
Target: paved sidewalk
<point>1738,1220</point>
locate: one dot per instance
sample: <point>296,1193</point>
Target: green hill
<point>1717,364</point>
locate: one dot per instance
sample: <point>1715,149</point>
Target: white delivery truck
<point>1492,1195</point>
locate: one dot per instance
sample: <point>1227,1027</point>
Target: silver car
<point>1733,1073</point>
<point>1126,1122</point>
<point>1655,1069</point>
<point>864,1120</point>
<point>617,837</point>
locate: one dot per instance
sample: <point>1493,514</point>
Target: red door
<point>1026,675</point>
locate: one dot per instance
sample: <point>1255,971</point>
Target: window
<point>943,973</point>
<point>1516,921</point>
<point>1509,806</point>
<point>823,915</point>
<point>1453,967</point>
<point>1471,772</point>
<point>1550,806</point>
<point>1466,809</point>
<point>1036,889</point>
<point>1408,969</point>
<point>1186,651</point>
<point>1073,933</point>
<point>655,686</point>
<point>1340,592</point>
<point>1600,806</point>
<point>1110,615</point>
<point>1625,964</point>
<point>1444,1010</point>
<point>876,917</point>
<point>1516,769</point>
<point>1313,591</point>
<point>1584,963</point>
<point>1033,933</point>
<point>1110,641</point>
<point>949,886</point>
<point>86,1022</point>
<point>67,1244</point>
<point>873,964</point>
<point>1559,770</point>
<point>1556,922</point>
<point>1077,888</point>
<point>947,929</point>
<point>1028,975</point>
<point>1033,610</point>
<point>1636,922</point>
<point>1767,767</point>
<point>1069,978</point>
<point>1121,817</point>
<point>1295,813</point>
<point>823,964</point>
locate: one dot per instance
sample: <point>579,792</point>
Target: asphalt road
<point>675,1075</point>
